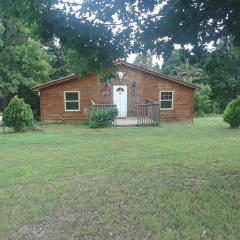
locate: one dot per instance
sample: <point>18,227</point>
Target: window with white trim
<point>166,100</point>
<point>72,100</point>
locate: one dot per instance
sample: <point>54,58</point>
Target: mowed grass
<point>176,181</point>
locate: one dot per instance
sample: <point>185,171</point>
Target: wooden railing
<point>148,113</point>
<point>97,107</point>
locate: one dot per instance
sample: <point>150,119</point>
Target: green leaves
<point>202,100</point>
<point>23,61</point>
<point>18,115</point>
<point>223,70</point>
<point>154,25</point>
<point>102,118</point>
<point>232,113</point>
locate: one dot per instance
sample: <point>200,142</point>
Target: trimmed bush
<point>102,118</point>
<point>232,113</point>
<point>18,115</point>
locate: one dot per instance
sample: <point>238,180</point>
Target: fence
<point>148,113</point>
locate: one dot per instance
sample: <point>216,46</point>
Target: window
<point>72,101</point>
<point>166,100</point>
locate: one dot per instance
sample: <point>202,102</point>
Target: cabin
<point>136,92</point>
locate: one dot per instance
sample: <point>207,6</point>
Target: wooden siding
<point>52,99</point>
<point>142,86</point>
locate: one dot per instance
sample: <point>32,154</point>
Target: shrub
<point>102,118</point>
<point>18,115</point>
<point>202,102</point>
<point>232,113</point>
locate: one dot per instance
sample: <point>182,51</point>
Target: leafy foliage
<point>144,60</point>
<point>30,98</point>
<point>90,40</point>
<point>143,25</point>
<point>18,115</point>
<point>102,118</point>
<point>158,25</point>
<point>179,66</point>
<point>202,101</point>
<point>232,113</point>
<point>220,70</point>
<point>23,61</point>
<point>223,70</point>
<point>57,19</point>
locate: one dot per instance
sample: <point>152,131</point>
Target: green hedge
<point>102,118</point>
<point>232,113</point>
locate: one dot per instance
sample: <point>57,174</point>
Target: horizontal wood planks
<point>141,87</point>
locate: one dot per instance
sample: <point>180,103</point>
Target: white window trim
<point>65,101</point>
<point>166,100</point>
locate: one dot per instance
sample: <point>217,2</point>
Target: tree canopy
<point>22,60</point>
<point>44,39</point>
<point>105,30</point>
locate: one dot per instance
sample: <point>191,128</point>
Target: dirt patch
<point>53,227</point>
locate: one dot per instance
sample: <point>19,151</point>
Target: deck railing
<point>98,107</point>
<point>148,113</point>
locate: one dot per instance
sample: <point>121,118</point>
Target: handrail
<point>92,102</point>
<point>96,107</point>
<point>103,104</point>
<point>151,101</point>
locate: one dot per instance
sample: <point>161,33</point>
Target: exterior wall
<point>144,86</point>
<point>52,99</point>
<point>133,84</point>
<point>141,87</point>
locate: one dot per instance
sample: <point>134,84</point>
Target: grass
<point>177,181</point>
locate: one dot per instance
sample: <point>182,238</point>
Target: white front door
<point>120,99</point>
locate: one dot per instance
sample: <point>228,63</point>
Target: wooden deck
<point>147,114</point>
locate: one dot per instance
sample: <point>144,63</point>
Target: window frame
<point>65,101</point>
<point>167,100</point>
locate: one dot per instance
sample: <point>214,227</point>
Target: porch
<point>147,114</point>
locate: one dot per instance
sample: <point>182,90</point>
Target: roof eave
<point>53,82</point>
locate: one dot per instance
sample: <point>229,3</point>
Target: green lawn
<point>176,181</point>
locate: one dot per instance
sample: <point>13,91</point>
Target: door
<point>120,99</point>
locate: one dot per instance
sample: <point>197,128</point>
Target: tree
<point>57,19</point>
<point>176,59</point>
<point>202,100</point>
<point>142,25</point>
<point>145,60</point>
<point>179,66</point>
<point>223,70</point>
<point>158,25</point>
<point>23,61</point>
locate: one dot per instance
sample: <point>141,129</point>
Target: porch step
<point>129,121</point>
